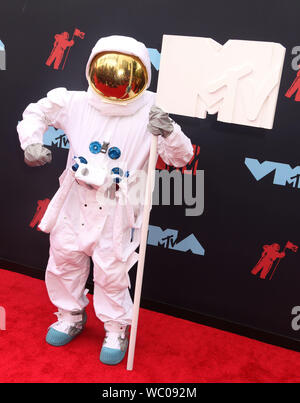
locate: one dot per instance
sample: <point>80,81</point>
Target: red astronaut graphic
<point>60,45</point>
<point>40,211</point>
<point>294,88</point>
<point>191,166</point>
<point>269,255</point>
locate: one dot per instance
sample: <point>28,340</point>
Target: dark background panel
<point>241,214</point>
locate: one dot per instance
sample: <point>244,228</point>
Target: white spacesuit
<point>105,132</point>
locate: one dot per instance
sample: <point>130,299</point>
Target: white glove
<point>36,155</point>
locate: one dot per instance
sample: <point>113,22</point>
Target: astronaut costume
<point>105,132</point>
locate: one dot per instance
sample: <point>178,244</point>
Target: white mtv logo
<point>239,80</point>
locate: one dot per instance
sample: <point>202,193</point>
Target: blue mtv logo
<point>167,238</point>
<point>56,137</point>
<point>283,174</point>
<point>154,57</point>
<point>2,56</point>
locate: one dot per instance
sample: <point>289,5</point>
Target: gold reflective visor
<point>117,76</point>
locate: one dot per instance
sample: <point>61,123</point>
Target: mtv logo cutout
<point>239,80</point>
<point>168,238</point>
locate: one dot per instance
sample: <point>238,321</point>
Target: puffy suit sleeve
<point>176,149</point>
<point>49,111</point>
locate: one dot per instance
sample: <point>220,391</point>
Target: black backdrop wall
<point>241,214</point>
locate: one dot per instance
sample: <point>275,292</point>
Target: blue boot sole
<point>57,339</point>
<point>111,356</point>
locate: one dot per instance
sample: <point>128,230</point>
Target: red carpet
<point>168,349</point>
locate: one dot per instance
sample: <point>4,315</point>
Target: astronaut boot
<point>115,343</point>
<point>68,326</point>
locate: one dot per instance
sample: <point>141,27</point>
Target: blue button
<point>75,167</point>
<point>83,160</point>
<point>117,171</point>
<point>114,153</point>
<point>95,147</point>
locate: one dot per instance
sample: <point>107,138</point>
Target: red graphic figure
<point>191,167</point>
<point>268,257</point>
<point>161,164</point>
<point>295,87</point>
<point>40,211</point>
<point>60,45</point>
